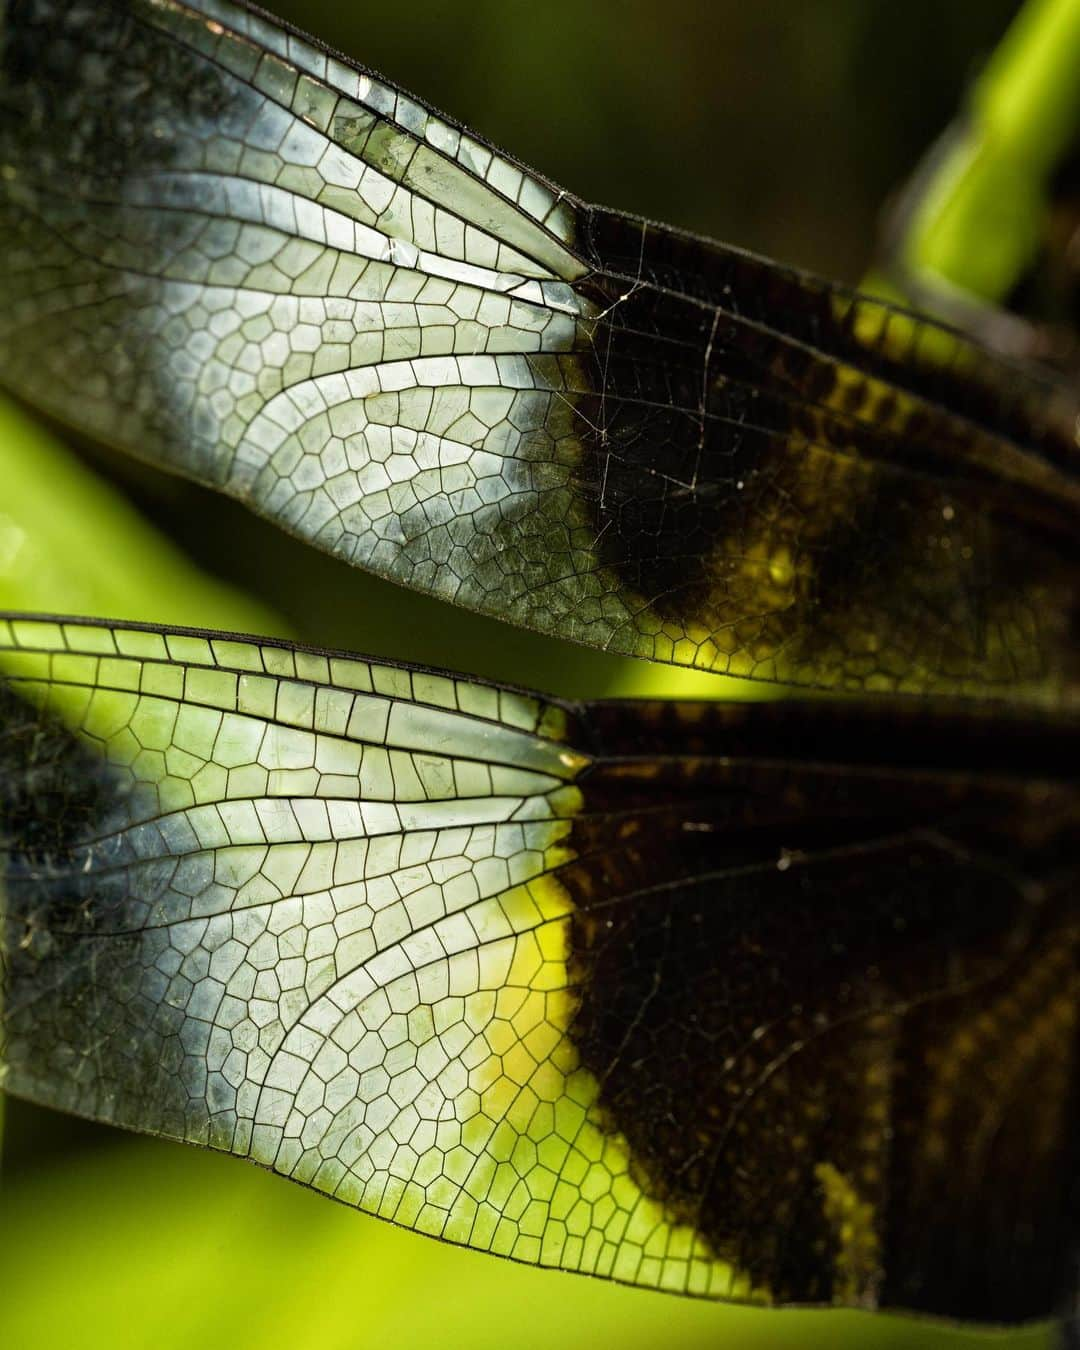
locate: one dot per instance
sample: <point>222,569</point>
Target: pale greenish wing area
<point>301,908</point>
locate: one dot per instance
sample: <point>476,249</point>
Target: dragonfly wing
<point>719,1000</point>
<point>255,263</point>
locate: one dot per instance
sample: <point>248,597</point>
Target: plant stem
<point>976,223</point>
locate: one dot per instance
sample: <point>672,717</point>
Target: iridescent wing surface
<point>253,262</point>
<point>773,1002</point>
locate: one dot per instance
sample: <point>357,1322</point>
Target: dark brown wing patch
<point>805,485</point>
<point>832,1008</point>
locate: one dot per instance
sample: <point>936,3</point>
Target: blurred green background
<point>781,126</point>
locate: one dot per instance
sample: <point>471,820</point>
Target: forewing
<point>252,262</point>
<point>714,1000</point>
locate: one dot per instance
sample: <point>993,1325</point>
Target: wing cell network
<point>769,1001</point>
<point>255,263</point>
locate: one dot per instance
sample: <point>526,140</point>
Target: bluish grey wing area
<point>247,261</point>
<point>302,909</point>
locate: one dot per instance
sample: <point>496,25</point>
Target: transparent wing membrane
<point>771,1001</point>
<point>255,263</point>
